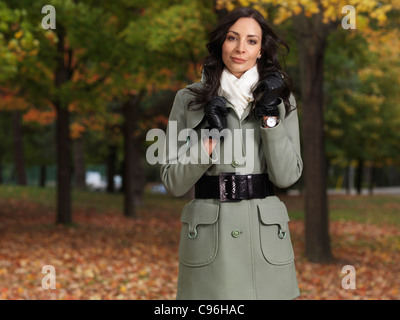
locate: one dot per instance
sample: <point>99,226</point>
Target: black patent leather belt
<point>228,186</point>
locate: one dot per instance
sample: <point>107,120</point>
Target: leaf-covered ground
<point>105,256</point>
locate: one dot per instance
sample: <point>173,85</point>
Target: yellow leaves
<point>225,4</point>
<point>373,101</point>
<point>395,4</point>
<point>336,133</point>
<point>349,110</point>
<point>380,14</point>
<point>22,45</point>
<point>51,36</point>
<point>332,12</point>
<point>311,8</point>
<point>331,9</point>
<point>362,22</point>
<point>386,44</point>
<point>19,34</point>
<point>244,3</point>
<point>368,72</point>
<point>258,6</point>
<point>297,9</point>
<point>283,14</point>
<point>13,44</point>
<point>366,5</point>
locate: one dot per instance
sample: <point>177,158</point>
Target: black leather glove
<point>215,112</point>
<point>272,87</point>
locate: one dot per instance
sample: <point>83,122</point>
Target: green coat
<point>232,250</point>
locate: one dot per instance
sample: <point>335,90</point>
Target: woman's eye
<point>231,38</point>
<point>253,42</point>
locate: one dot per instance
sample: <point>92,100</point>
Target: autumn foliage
<point>117,50</point>
<point>106,256</point>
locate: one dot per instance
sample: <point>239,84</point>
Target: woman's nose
<point>240,47</point>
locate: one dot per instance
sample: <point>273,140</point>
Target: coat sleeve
<point>186,159</point>
<point>281,146</point>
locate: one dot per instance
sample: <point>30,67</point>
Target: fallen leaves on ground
<point>106,256</point>
<point>373,251</point>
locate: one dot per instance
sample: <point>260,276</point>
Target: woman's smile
<point>238,60</point>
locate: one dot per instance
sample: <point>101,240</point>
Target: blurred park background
<point>81,84</point>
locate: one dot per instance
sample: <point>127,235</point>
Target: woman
<point>242,137</point>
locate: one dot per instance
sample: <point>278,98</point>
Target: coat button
<point>235,163</point>
<point>235,233</point>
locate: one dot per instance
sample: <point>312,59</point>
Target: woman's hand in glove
<point>272,87</point>
<point>215,112</point>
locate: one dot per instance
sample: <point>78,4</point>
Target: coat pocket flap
<point>274,232</point>
<point>199,213</point>
<point>198,244</point>
<point>274,213</point>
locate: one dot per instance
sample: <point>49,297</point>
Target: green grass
<point>99,201</point>
<point>83,199</point>
<point>375,209</point>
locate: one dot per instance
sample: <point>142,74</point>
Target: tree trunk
<point>64,166</point>
<point>371,183</point>
<point>18,148</point>
<point>350,178</point>
<point>1,170</point>
<point>111,167</point>
<point>139,175</point>
<point>63,74</point>
<point>79,164</point>
<point>42,176</point>
<point>393,177</point>
<point>360,173</point>
<point>311,36</point>
<point>130,110</point>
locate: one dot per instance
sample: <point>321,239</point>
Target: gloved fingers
<point>216,102</point>
<point>271,82</point>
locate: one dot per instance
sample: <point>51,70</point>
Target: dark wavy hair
<point>212,67</point>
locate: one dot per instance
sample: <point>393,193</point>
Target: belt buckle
<point>224,196</point>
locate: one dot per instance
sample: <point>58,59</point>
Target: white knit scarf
<point>238,91</point>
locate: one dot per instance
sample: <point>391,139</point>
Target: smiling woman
<point>242,46</point>
<point>235,241</point>
<point>272,47</point>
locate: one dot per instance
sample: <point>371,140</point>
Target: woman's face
<point>242,46</point>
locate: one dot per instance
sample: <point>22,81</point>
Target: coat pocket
<point>199,234</point>
<point>275,240</point>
